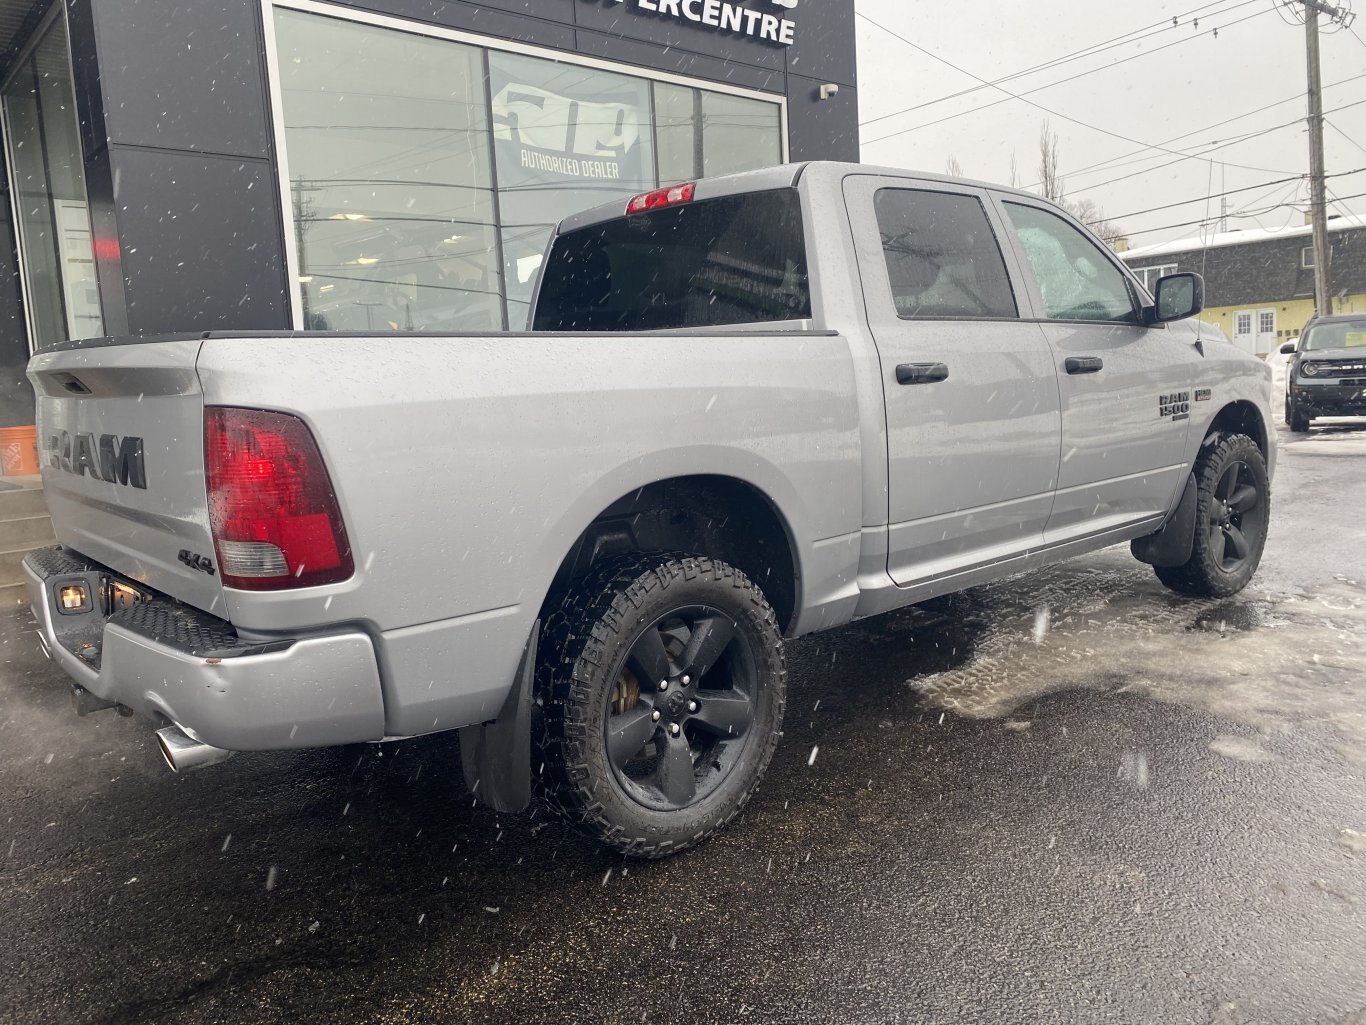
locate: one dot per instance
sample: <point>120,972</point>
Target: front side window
<point>733,260</point>
<point>942,256</point>
<point>1075,280</point>
<point>47,176</point>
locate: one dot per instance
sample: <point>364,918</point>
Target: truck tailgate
<point>121,439</point>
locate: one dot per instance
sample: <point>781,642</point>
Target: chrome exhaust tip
<point>183,753</point>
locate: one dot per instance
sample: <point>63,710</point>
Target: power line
<point>1201,199</point>
<point>1253,213</point>
<point>1201,156</point>
<point>1122,159</point>
<point>1026,92</point>
<point>1165,25</point>
<point>1335,128</point>
<point>1217,195</point>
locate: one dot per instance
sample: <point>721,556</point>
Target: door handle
<point>1083,364</point>
<point>921,373</point>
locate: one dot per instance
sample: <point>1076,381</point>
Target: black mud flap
<point>1172,544</point>
<point>496,756</point>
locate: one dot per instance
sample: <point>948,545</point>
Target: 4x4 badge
<point>196,561</point>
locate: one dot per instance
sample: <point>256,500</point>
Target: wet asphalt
<point>1067,797</point>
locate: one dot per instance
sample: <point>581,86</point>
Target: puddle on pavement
<point>1237,616</point>
<point>933,637</point>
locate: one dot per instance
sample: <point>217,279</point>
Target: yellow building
<point>1259,284</point>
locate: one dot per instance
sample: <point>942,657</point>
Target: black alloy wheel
<point>681,708</point>
<point>1237,503</point>
<point>1233,506</point>
<point>663,683</point>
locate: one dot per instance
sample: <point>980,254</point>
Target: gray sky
<point>1164,92</point>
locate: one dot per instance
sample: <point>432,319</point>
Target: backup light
<point>274,515</point>
<point>74,597</point>
<point>659,198</point>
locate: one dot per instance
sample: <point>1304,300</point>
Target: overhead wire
<point>1298,180</point>
<point>1122,159</point>
<point>1335,128</point>
<point>1212,149</point>
<point>1136,35</point>
<point>1022,94</point>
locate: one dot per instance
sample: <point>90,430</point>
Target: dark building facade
<point>386,165</point>
<point>1259,284</point>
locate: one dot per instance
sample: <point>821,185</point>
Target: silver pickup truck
<point>749,408</point>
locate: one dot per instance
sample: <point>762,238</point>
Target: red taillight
<point>273,513</point>
<point>671,196</point>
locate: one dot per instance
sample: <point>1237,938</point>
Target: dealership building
<point>392,165</point>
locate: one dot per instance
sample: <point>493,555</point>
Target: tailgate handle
<point>921,373</point>
<point>73,384</point>
<point>1084,364</point>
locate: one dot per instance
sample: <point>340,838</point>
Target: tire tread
<point>574,639</point>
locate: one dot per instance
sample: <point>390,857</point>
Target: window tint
<point>734,260</point>
<point>942,257</point>
<point>1077,281</point>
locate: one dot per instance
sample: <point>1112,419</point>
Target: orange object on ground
<point>19,450</point>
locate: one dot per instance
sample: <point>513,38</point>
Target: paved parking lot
<point>1071,797</point>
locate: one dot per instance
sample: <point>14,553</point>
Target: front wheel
<point>1298,421</point>
<point>663,682</point>
<point>1233,508</point>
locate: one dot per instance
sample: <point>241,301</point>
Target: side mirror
<point>1288,349</point>
<point>1179,296</point>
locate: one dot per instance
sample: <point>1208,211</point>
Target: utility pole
<point>1317,184</point>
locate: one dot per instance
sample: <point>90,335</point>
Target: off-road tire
<point>1299,423</point>
<point>1205,573</point>
<point>584,643</point>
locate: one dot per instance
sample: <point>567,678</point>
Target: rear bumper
<point>167,661</point>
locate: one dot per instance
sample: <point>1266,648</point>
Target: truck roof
<point>780,177</point>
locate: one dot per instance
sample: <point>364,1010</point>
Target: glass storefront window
<point>389,164</point>
<point>427,174</point>
<point>567,138</point>
<point>48,182</point>
<point>679,143</point>
<point>738,134</point>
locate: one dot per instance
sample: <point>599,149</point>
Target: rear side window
<point>942,256</point>
<point>734,260</point>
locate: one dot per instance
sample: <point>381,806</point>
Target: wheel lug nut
<point>687,680</point>
<point>692,706</point>
<point>663,684</point>
<point>654,716</point>
<point>674,729</point>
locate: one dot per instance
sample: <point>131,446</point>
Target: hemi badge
<point>1203,394</point>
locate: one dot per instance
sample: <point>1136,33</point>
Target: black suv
<point>1327,377</point>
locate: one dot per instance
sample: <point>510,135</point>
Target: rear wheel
<point>1233,506</point>
<point>663,682</point>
